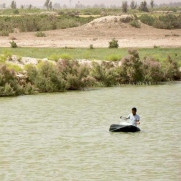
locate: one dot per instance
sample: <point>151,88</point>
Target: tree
<point>143,6</point>
<point>125,6</point>
<point>50,5</point>
<point>30,6</point>
<point>4,5</point>
<point>133,4</point>
<point>13,5</point>
<point>22,6</point>
<point>152,4</point>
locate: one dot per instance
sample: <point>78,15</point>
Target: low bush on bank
<point>13,44</point>
<point>40,34</point>
<point>113,43</point>
<point>114,57</point>
<point>135,23</point>
<point>71,75</point>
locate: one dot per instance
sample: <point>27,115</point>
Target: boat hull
<point>124,128</point>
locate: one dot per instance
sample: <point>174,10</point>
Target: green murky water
<point>59,137</point>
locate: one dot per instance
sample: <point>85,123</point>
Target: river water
<point>64,136</point>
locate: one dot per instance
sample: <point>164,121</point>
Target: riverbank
<point>29,75</point>
<point>94,54</point>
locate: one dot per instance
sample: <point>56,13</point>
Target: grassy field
<point>98,53</point>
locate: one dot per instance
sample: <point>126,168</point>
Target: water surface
<point>64,136</point>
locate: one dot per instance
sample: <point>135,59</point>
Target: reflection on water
<point>54,137</point>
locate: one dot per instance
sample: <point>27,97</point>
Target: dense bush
<point>76,75</point>
<point>131,68</point>
<point>113,43</point>
<point>9,85</point>
<point>105,73</point>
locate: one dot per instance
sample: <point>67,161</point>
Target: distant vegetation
<point>29,23</point>
<point>40,34</point>
<point>169,21</point>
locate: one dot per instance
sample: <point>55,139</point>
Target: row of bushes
<point>71,75</point>
<point>29,23</point>
<point>168,21</point>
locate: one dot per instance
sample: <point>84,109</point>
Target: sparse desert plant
<point>113,43</point>
<point>40,34</point>
<point>135,23</point>
<point>13,44</point>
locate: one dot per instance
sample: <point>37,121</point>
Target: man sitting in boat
<point>133,117</point>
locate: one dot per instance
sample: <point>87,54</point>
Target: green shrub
<point>40,34</point>
<point>114,57</point>
<point>147,19</point>
<point>54,57</point>
<point>5,56</point>
<point>9,85</point>
<point>105,73</point>
<point>65,57</point>
<point>13,44</point>
<point>113,43</point>
<point>77,76</point>
<point>135,23</point>
<point>14,67</point>
<point>131,70</point>
<point>171,69</point>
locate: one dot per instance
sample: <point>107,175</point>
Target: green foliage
<point>168,21</point>
<point>9,85</point>
<point>14,67</point>
<point>65,57</point>
<point>40,34</point>
<point>13,44</point>
<point>5,56</point>
<point>131,68</point>
<point>105,74</point>
<point>114,57</point>
<point>147,19</point>
<point>113,43</point>
<point>135,23</point>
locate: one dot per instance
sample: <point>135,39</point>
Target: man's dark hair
<point>134,109</point>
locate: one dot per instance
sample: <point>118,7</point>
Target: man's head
<point>134,110</point>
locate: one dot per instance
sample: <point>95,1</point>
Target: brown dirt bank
<point>99,33</point>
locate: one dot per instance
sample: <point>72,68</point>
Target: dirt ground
<point>99,33</point>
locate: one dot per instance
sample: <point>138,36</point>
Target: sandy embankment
<point>99,32</point>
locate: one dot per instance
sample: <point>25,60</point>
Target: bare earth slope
<point>99,33</point>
